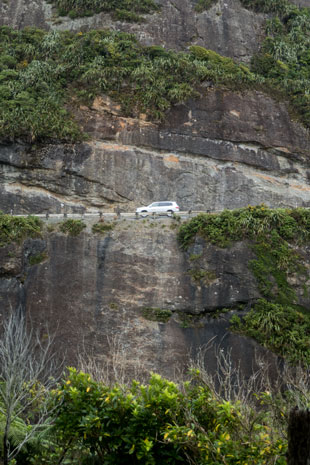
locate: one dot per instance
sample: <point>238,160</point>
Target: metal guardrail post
<point>47,216</point>
<point>65,215</point>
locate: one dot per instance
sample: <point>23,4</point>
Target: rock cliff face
<point>224,149</point>
<point>98,291</point>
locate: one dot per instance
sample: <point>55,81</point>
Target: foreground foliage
<point>158,422</point>
<point>203,419</point>
<point>26,368</point>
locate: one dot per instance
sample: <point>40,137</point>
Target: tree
<point>28,370</point>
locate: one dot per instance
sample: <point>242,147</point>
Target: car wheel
<point>169,212</point>
<point>143,213</point>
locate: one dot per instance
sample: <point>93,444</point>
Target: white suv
<point>159,207</point>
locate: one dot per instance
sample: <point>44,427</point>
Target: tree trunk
<point>5,449</point>
<point>299,438</point>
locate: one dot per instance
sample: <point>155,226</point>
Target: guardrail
<point>110,215</point>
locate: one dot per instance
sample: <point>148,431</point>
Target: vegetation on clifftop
<point>41,73</point>
<point>44,74</point>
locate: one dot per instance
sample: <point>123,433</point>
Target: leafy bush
<point>199,274</point>
<point>15,229</point>
<point>159,422</point>
<point>72,227</point>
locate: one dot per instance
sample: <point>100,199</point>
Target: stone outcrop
<point>226,28</point>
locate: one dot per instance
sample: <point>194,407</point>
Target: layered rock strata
<point>224,150</point>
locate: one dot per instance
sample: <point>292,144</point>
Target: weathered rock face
<point>226,28</point>
<point>94,290</point>
<point>225,150</point>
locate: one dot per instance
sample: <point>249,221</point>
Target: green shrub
<point>189,320</point>
<point>72,227</point>
<point>199,274</point>
<point>15,229</point>
<point>269,6</point>
<point>156,314</point>
<point>124,15</point>
<point>38,258</point>
<point>247,223</point>
<point>102,228</point>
